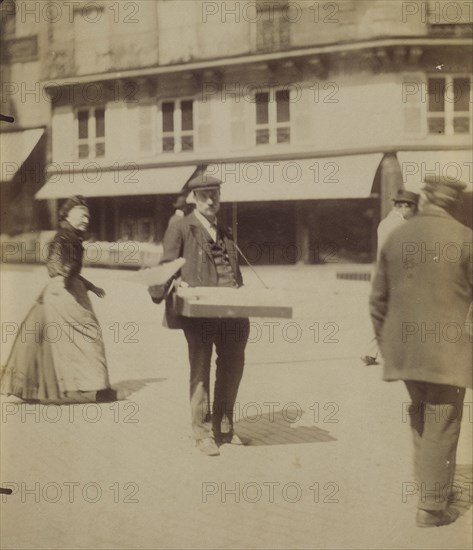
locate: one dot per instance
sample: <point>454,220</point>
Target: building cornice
<point>228,62</point>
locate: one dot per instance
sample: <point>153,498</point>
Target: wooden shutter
<point>140,130</point>
<point>302,115</point>
<point>115,133</point>
<point>204,130</point>
<point>64,134</point>
<point>147,130</point>
<point>242,114</point>
<point>414,105</point>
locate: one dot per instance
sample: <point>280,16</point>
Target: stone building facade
<point>313,114</point>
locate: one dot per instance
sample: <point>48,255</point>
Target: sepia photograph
<point>236,274</point>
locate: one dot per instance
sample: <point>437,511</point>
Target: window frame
<point>92,140</point>
<point>449,114</point>
<point>273,125</point>
<point>177,133</point>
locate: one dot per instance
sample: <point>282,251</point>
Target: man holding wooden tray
<point>211,260</point>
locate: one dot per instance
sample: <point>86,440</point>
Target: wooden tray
<point>230,302</point>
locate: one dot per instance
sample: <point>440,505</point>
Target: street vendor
<point>211,261</point>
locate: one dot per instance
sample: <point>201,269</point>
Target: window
<point>177,126</point>
<point>91,133</point>
<point>272,117</point>
<point>449,18</point>
<point>449,105</point>
<point>272,27</point>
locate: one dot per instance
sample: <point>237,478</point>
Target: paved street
<point>328,460</point>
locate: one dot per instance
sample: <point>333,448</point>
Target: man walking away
<point>420,302</point>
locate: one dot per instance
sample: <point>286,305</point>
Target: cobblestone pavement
<point>328,460</point>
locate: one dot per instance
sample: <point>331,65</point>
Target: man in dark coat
<point>405,206</point>
<point>211,260</point>
<point>420,303</point>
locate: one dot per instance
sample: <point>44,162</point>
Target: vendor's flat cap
<point>203,182</point>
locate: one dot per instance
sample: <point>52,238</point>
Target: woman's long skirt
<point>58,353</point>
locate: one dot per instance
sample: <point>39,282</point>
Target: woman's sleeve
<point>88,284</point>
<point>59,261</point>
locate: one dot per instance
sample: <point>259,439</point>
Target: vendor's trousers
<point>230,337</point>
<point>435,416</point>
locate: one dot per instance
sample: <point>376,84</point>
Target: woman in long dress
<point>58,354</point>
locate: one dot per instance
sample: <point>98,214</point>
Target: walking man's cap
<point>443,191</point>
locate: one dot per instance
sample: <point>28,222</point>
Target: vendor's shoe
<point>231,438</point>
<point>435,518</point>
<point>207,446</point>
<point>106,396</point>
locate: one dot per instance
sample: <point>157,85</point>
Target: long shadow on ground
<point>275,429</point>
<point>133,386</point>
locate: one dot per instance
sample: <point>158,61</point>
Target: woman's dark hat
<point>69,204</point>
<point>406,196</point>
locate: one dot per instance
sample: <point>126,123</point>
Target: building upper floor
<point>179,80</point>
<point>81,37</point>
<point>260,114</point>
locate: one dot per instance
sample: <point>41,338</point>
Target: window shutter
<point>115,137</point>
<point>64,134</point>
<point>141,130</point>
<point>204,124</point>
<point>241,115</point>
<point>413,97</point>
<point>132,130</point>
<point>302,117</point>
<point>146,129</point>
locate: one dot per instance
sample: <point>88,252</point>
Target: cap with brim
<point>406,196</point>
<point>442,190</point>
<point>201,183</point>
